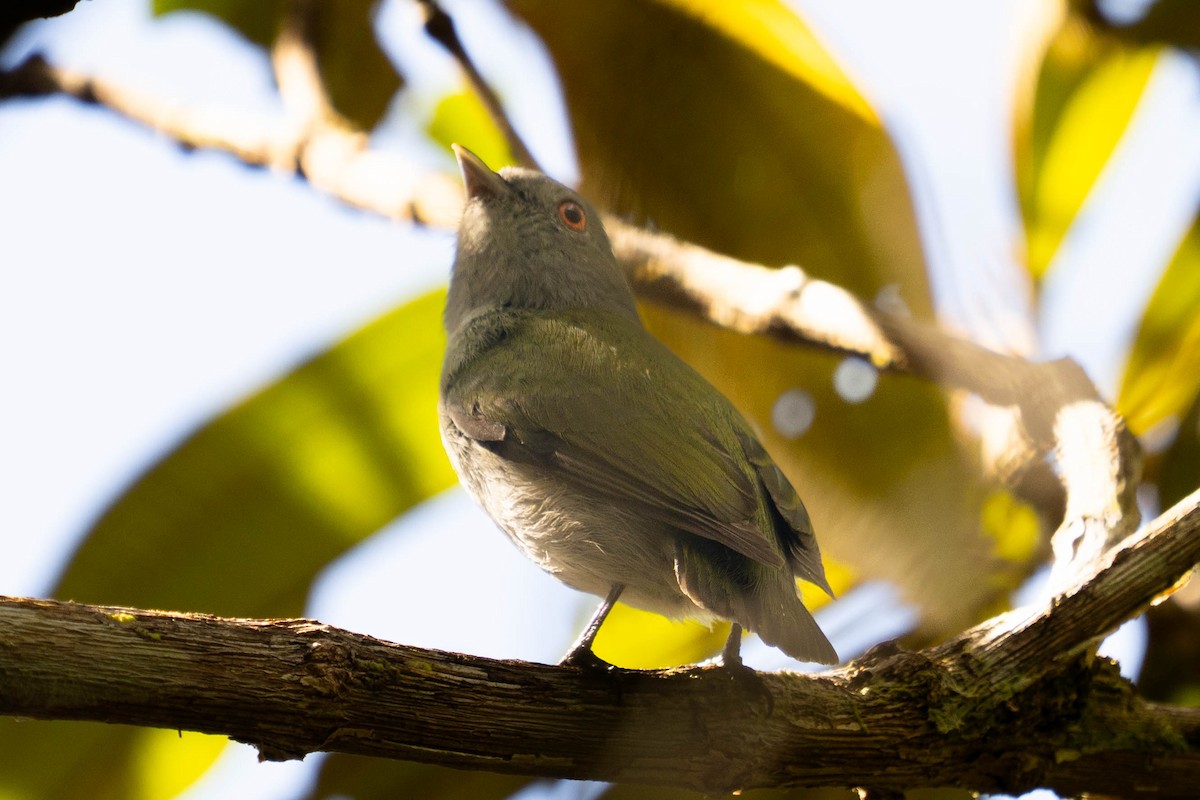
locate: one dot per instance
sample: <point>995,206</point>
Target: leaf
<point>1068,127</point>
<point>101,762</point>
<point>460,118</point>
<point>1162,375</point>
<point>728,124</point>
<point>257,20</point>
<point>1179,474</point>
<point>360,78</point>
<point>639,639</point>
<point>1173,22</point>
<point>239,518</point>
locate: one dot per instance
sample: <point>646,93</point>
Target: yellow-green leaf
<point>257,20</point>
<point>240,516</point>
<point>461,118</point>
<point>639,639</point>
<point>730,125</point>
<point>1162,375</point>
<point>1068,124</point>
<point>1179,473</point>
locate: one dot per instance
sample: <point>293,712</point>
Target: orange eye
<point>572,215</point>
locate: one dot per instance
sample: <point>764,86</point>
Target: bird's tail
<point>762,599</point>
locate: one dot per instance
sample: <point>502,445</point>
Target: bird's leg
<point>580,654</point>
<point>731,656</point>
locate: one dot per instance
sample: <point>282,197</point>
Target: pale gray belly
<point>584,542</point>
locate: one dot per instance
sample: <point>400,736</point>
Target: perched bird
<point>608,460</point>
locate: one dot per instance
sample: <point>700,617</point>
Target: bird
<point>606,459</point>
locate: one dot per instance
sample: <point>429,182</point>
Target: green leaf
<point>461,118</point>
<point>60,759</point>
<point>257,20</point>
<point>730,125</point>
<point>240,517</point>
<point>640,639</point>
<point>1179,473</point>
<point>360,78</point>
<point>1086,93</point>
<point>1162,375</point>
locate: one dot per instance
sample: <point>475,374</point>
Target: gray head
<point>526,241</point>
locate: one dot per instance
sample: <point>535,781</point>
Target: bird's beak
<point>479,180</point>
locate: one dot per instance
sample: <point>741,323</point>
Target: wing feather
<point>604,407</point>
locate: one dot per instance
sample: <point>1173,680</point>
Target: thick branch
<point>1010,706</point>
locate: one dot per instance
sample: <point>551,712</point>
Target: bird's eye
<point>572,215</point>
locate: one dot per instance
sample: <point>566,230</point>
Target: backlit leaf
<point>241,515</point>
<point>1162,375</point>
<point>461,118</point>
<point>1068,123</point>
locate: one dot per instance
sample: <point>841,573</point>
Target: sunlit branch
<point>1010,706</point>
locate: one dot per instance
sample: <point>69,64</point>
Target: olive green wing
<point>602,406</point>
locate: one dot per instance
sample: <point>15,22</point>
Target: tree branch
<point>337,162</point>
<point>1012,705</point>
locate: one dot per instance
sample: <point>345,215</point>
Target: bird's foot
<point>584,658</point>
<point>739,673</point>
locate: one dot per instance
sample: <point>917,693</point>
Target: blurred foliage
<point>727,124</point>
<point>1179,473</point>
<point>1160,392</point>
<point>360,78</point>
<point>1087,89</point>
<point>1162,375</point>
<point>240,517</point>
<point>462,116</point>
<point>1170,22</point>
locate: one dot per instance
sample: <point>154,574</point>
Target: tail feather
<point>762,599</point>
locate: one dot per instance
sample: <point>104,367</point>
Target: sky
<point>147,288</point>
